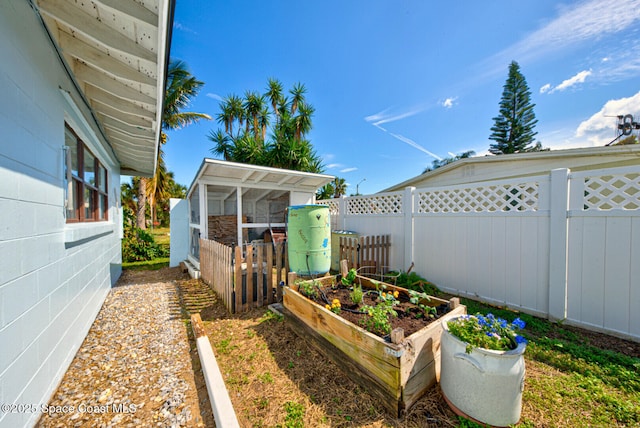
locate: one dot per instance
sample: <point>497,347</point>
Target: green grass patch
<point>160,235</point>
<point>154,264</point>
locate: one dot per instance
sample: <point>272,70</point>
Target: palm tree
<point>263,121</point>
<point>325,192</point>
<point>303,119</point>
<point>339,187</point>
<point>287,147</point>
<point>297,92</point>
<point>274,93</point>
<point>181,87</point>
<point>231,110</point>
<point>223,144</point>
<point>253,106</point>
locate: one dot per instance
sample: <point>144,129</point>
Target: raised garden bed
<point>397,373</point>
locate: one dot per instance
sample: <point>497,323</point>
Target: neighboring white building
<point>81,87</point>
<point>486,168</point>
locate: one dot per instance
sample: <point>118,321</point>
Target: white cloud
<point>572,81</point>
<point>334,165</point>
<point>214,96</point>
<point>385,117</point>
<point>600,128</point>
<point>348,170</point>
<point>181,27</point>
<point>448,103</point>
<point>585,21</point>
<point>567,83</point>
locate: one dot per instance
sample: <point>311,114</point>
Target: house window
<point>86,181</point>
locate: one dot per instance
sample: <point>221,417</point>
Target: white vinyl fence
<point>564,245</point>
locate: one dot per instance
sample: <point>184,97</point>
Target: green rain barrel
<point>309,239</point>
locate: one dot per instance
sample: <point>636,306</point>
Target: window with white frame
<point>86,182</point>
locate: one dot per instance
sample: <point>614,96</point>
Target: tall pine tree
<point>513,127</point>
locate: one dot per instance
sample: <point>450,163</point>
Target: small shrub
<point>138,245</point>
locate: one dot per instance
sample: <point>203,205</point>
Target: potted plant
<point>482,368</point>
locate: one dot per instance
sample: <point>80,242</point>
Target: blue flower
<point>520,339</point>
<point>519,323</point>
<point>503,323</point>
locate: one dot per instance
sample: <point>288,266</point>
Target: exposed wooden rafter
<point>109,84</point>
<point>91,27</point>
<point>78,49</point>
<point>115,51</point>
<point>132,9</point>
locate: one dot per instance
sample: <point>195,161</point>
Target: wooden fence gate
<point>370,254</point>
<point>244,279</point>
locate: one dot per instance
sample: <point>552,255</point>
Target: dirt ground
<point>276,379</point>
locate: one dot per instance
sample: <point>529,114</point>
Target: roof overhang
<point>116,52</point>
<point>223,176</point>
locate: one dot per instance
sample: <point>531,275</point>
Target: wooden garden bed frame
<point>399,373</point>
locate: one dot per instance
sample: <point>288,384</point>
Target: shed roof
<point>116,52</point>
<point>223,178</point>
<point>481,168</point>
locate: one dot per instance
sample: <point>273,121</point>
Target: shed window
<point>86,180</point>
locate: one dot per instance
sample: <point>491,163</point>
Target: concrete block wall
<point>54,276</point>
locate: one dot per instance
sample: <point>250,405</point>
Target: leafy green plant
<point>487,332</point>
<point>356,295</point>
<point>377,320</point>
<point>295,415</point>
<point>137,244</point>
<point>417,298</point>
<point>349,278</point>
<point>413,281</point>
<point>308,289</point>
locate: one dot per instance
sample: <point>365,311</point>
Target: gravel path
<point>134,368</point>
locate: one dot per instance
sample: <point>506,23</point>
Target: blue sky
<point>397,84</point>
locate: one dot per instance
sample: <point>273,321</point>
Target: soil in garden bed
<point>410,317</point>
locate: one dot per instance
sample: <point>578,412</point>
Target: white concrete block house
<point>81,85</point>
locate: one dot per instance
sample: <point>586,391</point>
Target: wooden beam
<point>97,94</point>
<point>116,114</point>
<point>132,9</point>
<point>93,28</point>
<point>109,84</point>
<point>116,132</point>
<point>101,60</point>
<point>129,130</point>
<point>131,148</point>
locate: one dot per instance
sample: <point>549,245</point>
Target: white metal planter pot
<point>485,385</point>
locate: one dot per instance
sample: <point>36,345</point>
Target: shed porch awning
<point>222,177</point>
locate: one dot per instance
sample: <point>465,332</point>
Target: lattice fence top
<point>333,204</point>
<point>608,192</point>
<point>376,204</point>
<point>489,198</point>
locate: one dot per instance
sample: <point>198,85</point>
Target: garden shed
<point>237,203</point>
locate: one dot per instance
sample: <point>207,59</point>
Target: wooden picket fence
<point>369,254</point>
<point>244,279</point>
